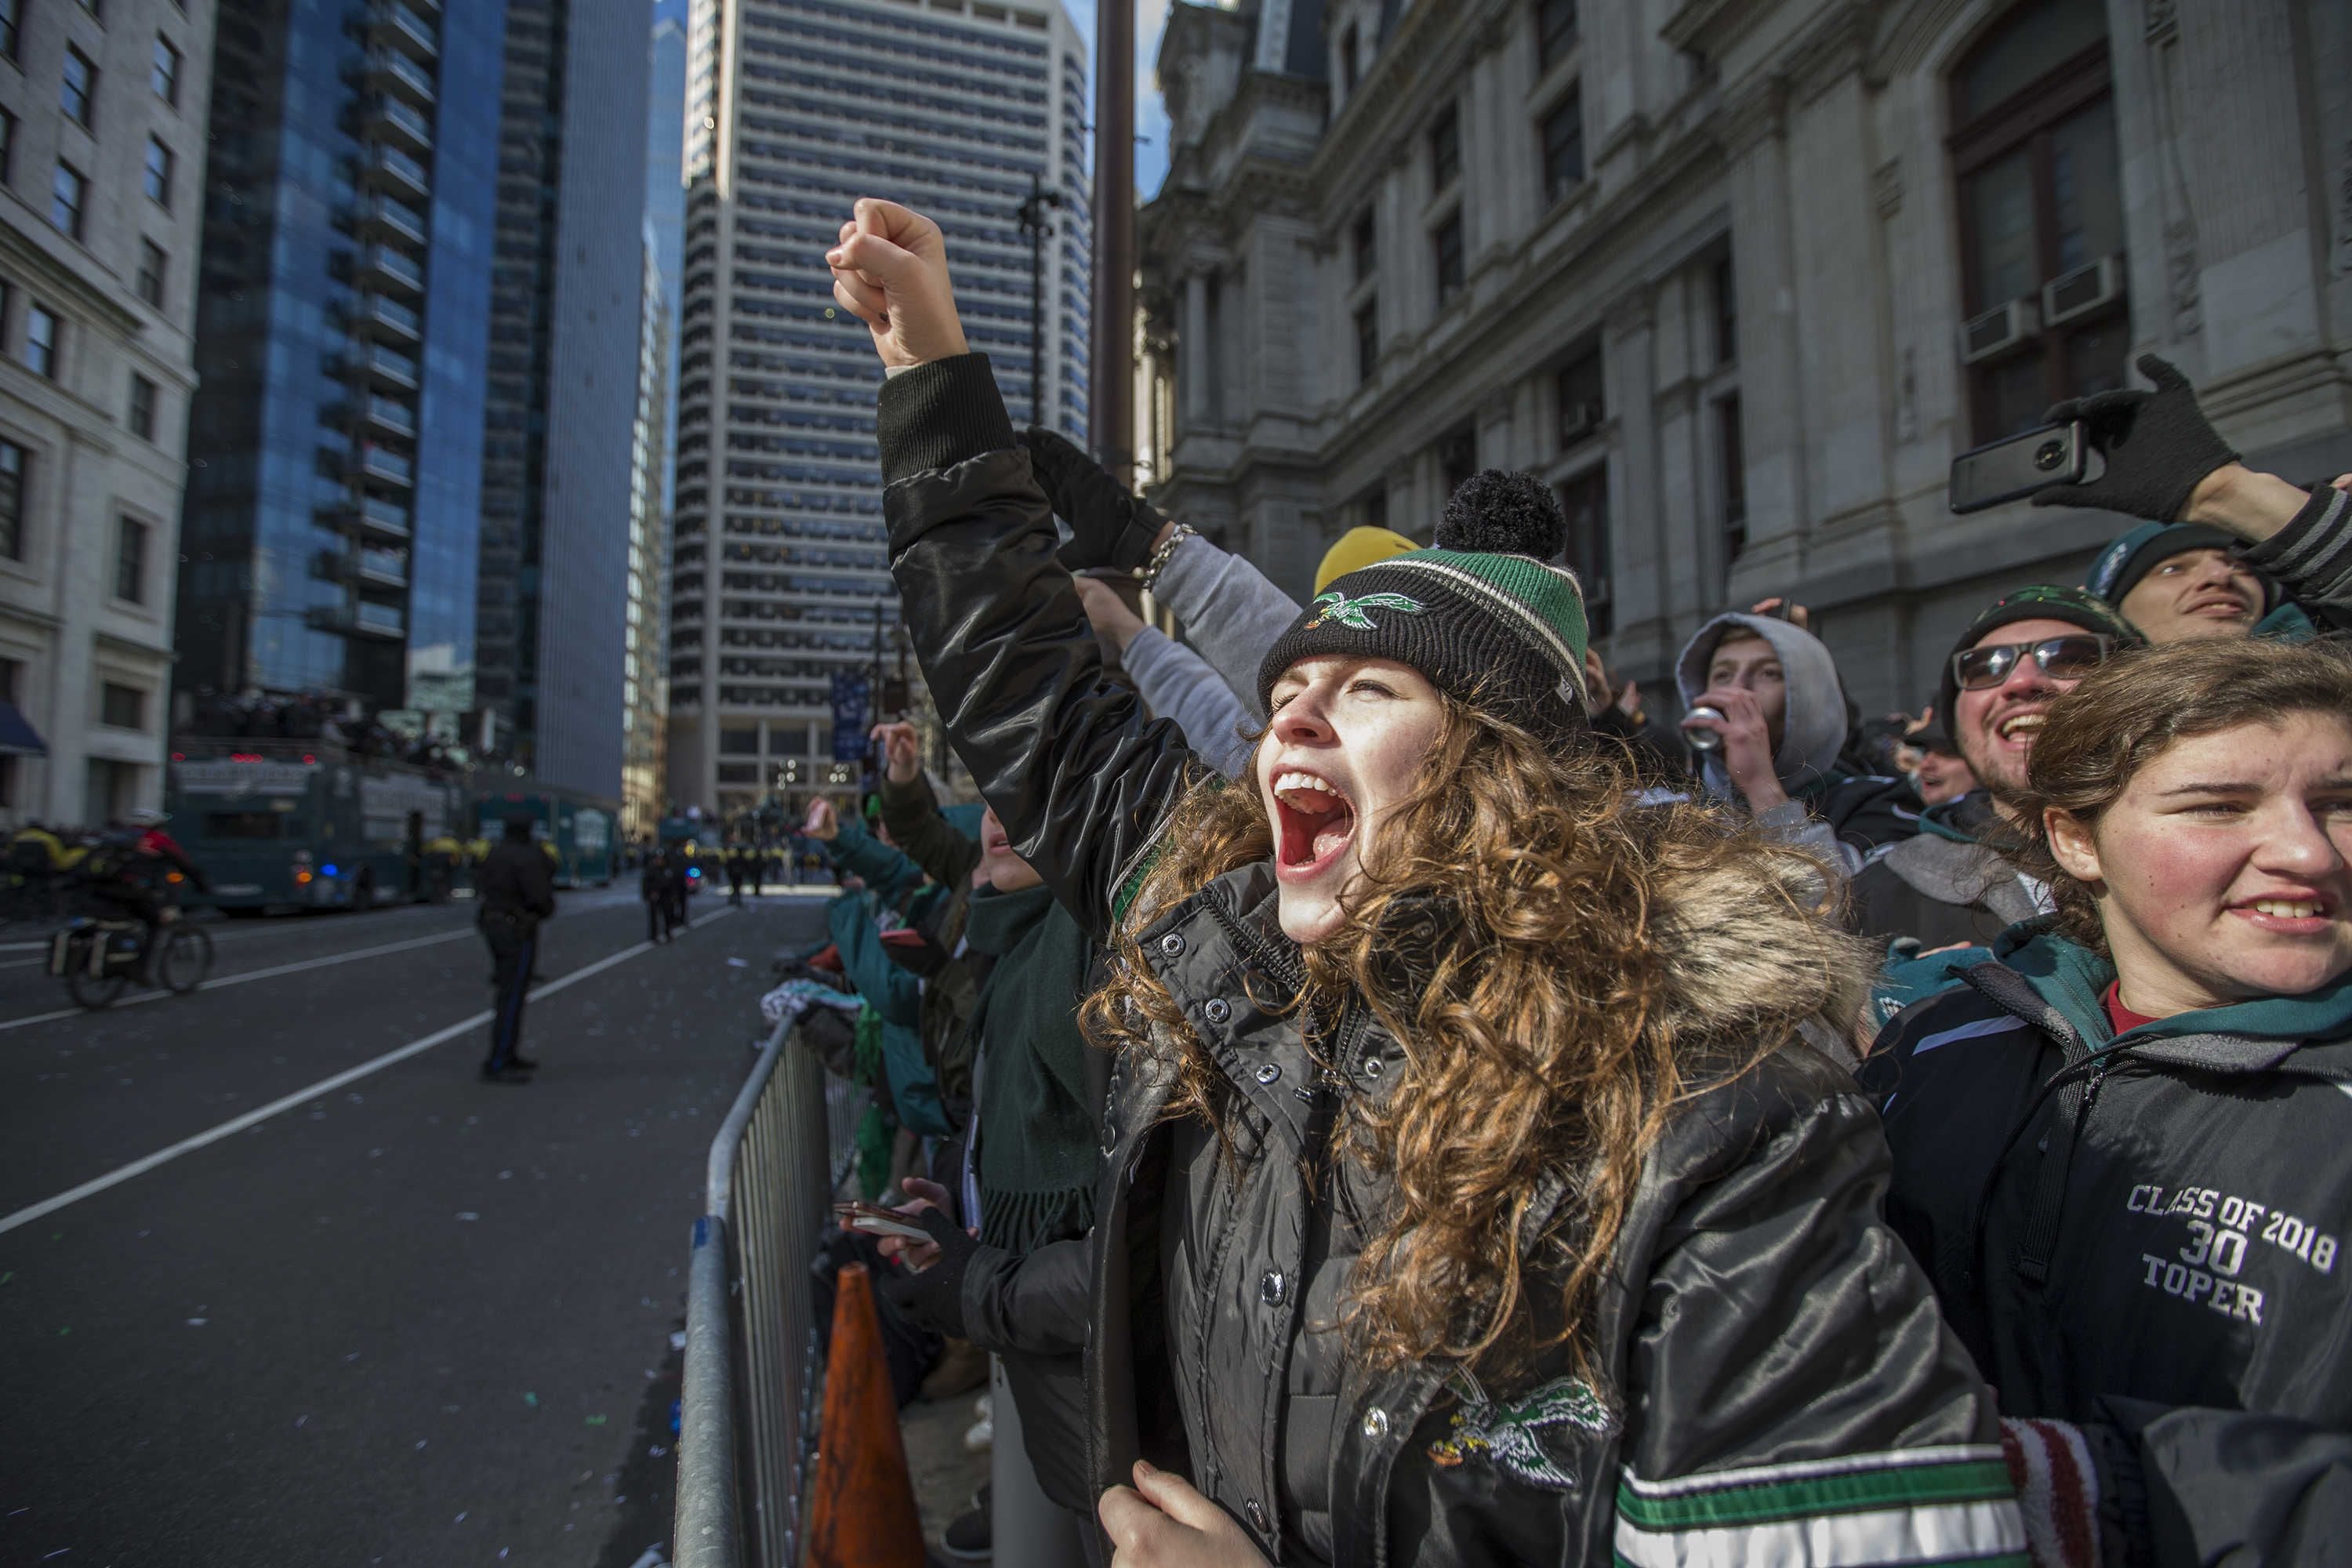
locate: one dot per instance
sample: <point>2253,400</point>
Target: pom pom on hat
<point>1499,513</point>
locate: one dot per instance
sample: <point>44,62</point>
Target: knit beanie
<point>2136,553</point>
<point>2041,602</point>
<point>1482,616</point>
<point>1359,548</point>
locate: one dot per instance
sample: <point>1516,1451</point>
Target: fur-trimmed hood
<point>1753,958</point>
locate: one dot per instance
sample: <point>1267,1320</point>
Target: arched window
<point>2041,214</point>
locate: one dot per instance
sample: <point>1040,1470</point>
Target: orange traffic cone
<point>862,1503</point>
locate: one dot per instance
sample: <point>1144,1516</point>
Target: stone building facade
<point>1739,277</point>
<point>102,149</point>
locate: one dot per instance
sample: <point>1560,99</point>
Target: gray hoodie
<point>1812,732</point>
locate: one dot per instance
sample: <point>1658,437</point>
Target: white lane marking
<point>272,972</point>
<point>234,1125</point>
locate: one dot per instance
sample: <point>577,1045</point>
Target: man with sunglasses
<point>1952,884</point>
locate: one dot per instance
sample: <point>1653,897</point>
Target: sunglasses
<point>2061,658</point>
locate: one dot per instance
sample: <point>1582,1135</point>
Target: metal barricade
<point>748,1413</point>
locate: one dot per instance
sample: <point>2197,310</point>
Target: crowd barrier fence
<point>752,1380</point>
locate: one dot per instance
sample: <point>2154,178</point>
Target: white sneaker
<point>982,1437</point>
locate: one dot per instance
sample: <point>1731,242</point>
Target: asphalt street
<point>252,1315</point>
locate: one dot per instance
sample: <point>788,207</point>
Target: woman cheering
<point>1467,1192</point>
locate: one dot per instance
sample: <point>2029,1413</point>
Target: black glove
<point>933,1298</point>
<point>2157,445</point>
<point>1110,524</point>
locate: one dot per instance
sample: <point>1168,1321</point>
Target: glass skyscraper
<point>330,533</point>
<point>794,109</point>
<point>566,309</point>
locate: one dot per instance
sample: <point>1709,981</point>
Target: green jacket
<point>931,844</point>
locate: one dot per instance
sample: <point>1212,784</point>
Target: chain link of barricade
<point>747,1424</point>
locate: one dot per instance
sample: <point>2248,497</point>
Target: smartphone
<point>2007,470</point>
<point>878,1221</point>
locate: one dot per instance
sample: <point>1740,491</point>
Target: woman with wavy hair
<point>1468,1191</point>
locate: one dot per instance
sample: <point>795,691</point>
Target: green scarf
<point>2075,980</point>
<point>1036,1126</point>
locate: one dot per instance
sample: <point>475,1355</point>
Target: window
<point>1583,396</point>
<point>78,91</point>
<point>123,707</point>
<point>95,8</point>
<point>1457,457</point>
<point>41,341</point>
<point>1727,312</point>
<point>65,188</point>
<point>163,76</point>
<point>15,464</point>
<point>1376,506</point>
<point>158,179</point>
<point>1447,239</point>
<point>1733,454</point>
<point>8,27</point>
<point>1366,241</point>
<point>1350,69</point>
<point>130,560</point>
<point>150,272</point>
<point>2041,216</point>
<point>1368,340</point>
<point>1564,147</point>
<point>143,408</point>
<point>1585,500</point>
<point>1555,31</point>
<point>1445,148</point>
<point>7,146</point>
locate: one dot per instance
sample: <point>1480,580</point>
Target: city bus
<point>305,824</point>
<point>583,829</point>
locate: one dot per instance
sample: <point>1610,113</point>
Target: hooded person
<point>1783,723</point>
<point>1447,1090</point>
<point>1938,899</point>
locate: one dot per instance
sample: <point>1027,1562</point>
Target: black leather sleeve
<point>1078,775</point>
<point>1789,1356</point>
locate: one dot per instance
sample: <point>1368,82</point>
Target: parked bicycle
<point>98,959</point>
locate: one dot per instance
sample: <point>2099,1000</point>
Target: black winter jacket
<point>2139,1236</point>
<point>1781,1380</point>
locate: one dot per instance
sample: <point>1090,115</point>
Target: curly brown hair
<point>1534,1014</point>
<point>2133,707</point>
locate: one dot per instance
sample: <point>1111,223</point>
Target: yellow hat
<point>1359,548</point>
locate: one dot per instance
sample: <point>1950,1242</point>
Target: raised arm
<point>1079,778</point>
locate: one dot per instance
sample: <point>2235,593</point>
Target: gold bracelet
<point>1160,557</point>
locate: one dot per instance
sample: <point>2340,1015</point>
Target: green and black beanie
<point>1482,615</point>
<point>2041,602</point>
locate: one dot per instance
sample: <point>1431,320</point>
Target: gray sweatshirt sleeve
<point>1178,684</point>
<point>1231,612</point>
<point>1793,825</point>
<point>2311,557</point>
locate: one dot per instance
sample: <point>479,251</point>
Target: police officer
<point>516,885</point>
<point>738,857</point>
<point>652,888</point>
<point>681,857</point>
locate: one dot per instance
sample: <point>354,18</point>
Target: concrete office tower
<point>102,148</point>
<point>794,109</point>
<point>562,393</point>
<point>645,694</point>
<point>328,538</point>
<point>1741,280</point>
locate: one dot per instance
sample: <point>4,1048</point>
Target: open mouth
<point>2020,728</point>
<point>1314,824</point>
<point>2296,914</point>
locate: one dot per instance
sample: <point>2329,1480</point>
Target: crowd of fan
<point>1377,1092</point>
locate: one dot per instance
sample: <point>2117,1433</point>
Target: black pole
<point>1037,226</point>
<point>1111,417</point>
